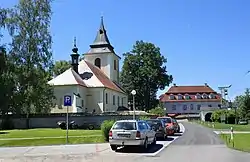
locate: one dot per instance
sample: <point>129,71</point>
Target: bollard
<point>232,135</point>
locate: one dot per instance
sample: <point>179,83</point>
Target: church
<point>93,82</point>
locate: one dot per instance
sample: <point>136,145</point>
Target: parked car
<point>159,128</point>
<point>63,125</point>
<point>131,133</point>
<point>176,125</point>
<point>169,125</point>
<point>243,122</point>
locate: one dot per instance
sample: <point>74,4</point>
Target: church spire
<point>101,39</point>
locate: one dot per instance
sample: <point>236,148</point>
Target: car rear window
<point>166,120</point>
<point>125,125</point>
<point>153,122</point>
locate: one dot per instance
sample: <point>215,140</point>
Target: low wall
<point>51,121</point>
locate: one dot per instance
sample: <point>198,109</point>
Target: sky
<point>204,41</point>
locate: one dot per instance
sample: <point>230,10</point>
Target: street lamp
<point>133,92</point>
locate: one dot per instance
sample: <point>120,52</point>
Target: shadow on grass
<point>4,132</point>
<point>131,149</point>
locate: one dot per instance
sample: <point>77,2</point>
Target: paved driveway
<point>195,145</point>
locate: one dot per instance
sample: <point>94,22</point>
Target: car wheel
<point>154,141</point>
<point>113,147</point>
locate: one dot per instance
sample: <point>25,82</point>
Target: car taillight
<point>110,133</point>
<point>138,134</point>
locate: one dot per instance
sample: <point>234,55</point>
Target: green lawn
<point>30,133</point>
<point>225,126</point>
<point>48,137</point>
<point>241,141</point>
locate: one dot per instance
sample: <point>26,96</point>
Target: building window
<point>184,107</point>
<point>115,65</point>
<point>98,62</point>
<point>209,105</point>
<point>174,107</point>
<point>212,96</point>
<point>118,100</point>
<point>106,98</point>
<point>82,103</point>
<point>60,103</point>
<point>187,97</point>
<point>171,97</point>
<point>179,96</point>
<point>191,107</point>
<point>204,96</point>
<point>198,96</point>
<point>219,105</point>
<point>113,99</point>
<point>122,101</point>
<point>198,107</point>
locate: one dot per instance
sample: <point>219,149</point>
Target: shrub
<point>105,127</point>
<point>144,117</point>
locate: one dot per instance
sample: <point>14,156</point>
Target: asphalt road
<point>195,145</point>
<point>199,144</point>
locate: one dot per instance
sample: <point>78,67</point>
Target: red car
<point>169,124</point>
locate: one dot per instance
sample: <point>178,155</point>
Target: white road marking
<point>164,143</point>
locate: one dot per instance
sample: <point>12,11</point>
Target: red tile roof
<point>192,91</point>
<point>103,78</point>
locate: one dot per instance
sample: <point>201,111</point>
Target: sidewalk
<point>81,149</point>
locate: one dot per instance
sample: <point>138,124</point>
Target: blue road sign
<point>67,100</point>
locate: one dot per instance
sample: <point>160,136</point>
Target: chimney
<point>206,84</point>
<point>75,57</point>
<point>175,85</point>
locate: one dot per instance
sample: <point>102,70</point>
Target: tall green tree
<point>244,104</point>
<point>29,24</point>
<point>144,70</point>
<point>60,67</point>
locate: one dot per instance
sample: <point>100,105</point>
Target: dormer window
<point>204,96</point>
<point>198,96</point>
<point>171,97</point>
<point>179,97</point>
<point>187,97</point>
<point>212,96</point>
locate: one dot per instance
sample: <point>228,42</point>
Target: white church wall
<point>60,92</point>
<point>114,100</point>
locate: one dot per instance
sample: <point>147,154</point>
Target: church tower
<point>102,55</point>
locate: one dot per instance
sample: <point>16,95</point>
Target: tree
<point>144,71</point>
<point>60,67</point>
<point>29,24</point>
<point>244,104</point>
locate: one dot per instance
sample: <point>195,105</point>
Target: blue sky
<point>204,41</point>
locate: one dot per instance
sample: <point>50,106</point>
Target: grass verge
<point>224,126</point>
<point>51,141</point>
<point>48,137</point>
<point>31,133</point>
<point>240,141</point>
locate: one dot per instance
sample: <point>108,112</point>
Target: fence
<point>50,120</point>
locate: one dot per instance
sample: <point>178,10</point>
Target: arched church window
<point>98,62</point>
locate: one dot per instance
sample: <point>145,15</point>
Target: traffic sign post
<point>67,103</point>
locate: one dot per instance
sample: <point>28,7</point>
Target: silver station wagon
<point>131,133</point>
